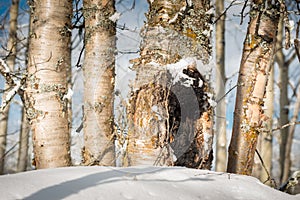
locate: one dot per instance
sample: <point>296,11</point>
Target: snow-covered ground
<point>134,183</point>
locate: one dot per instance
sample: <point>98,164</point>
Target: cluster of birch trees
<point>172,108</point>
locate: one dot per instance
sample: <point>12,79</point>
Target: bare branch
<point>79,58</point>
<point>9,150</point>
<point>297,47</point>
<point>129,52</point>
<point>123,27</point>
<point>265,168</point>
<point>285,126</point>
<point>242,12</point>
<point>291,59</point>
<point>226,94</point>
<point>224,12</point>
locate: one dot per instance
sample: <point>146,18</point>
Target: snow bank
<point>134,183</point>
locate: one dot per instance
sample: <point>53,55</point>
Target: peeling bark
<point>265,146</point>
<point>46,85</point>
<point>249,118</point>
<point>167,117</point>
<point>99,83</point>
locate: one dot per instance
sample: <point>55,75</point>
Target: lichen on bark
<point>48,62</point>
<point>99,75</point>
<point>258,53</point>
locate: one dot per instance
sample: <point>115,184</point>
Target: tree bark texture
<point>221,148</point>
<point>46,85</point>
<point>249,118</point>
<point>99,73</point>
<point>169,117</point>
<point>12,51</point>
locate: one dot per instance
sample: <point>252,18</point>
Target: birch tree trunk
<point>46,85</point>
<point>23,144</point>
<point>24,127</point>
<point>249,118</point>
<point>99,76</point>
<point>288,148</point>
<point>283,98</point>
<point>221,148</point>
<point>170,114</point>
<point>12,48</point>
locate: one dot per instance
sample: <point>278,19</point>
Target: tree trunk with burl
<point>170,115</point>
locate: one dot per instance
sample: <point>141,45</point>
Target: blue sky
<point>4,6</point>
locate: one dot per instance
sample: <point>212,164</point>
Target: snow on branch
<point>10,95</point>
<point>5,66</point>
<point>5,71</point>
<point>12,81</point>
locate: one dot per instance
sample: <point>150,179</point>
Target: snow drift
<point>134,183</point>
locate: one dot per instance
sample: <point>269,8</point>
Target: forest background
<point>128,33</point>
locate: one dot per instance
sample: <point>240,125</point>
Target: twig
<point>123,27</point>
<point>129,52</point>
<point>265,168</point>
<point>224,12</point>
<point>286,125</point>
<point>79,58</point>
<point>7,152</point>
<point>81,124</point>
<point>226,94</point>
<point>242,12</point>
<point>297,47</point>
